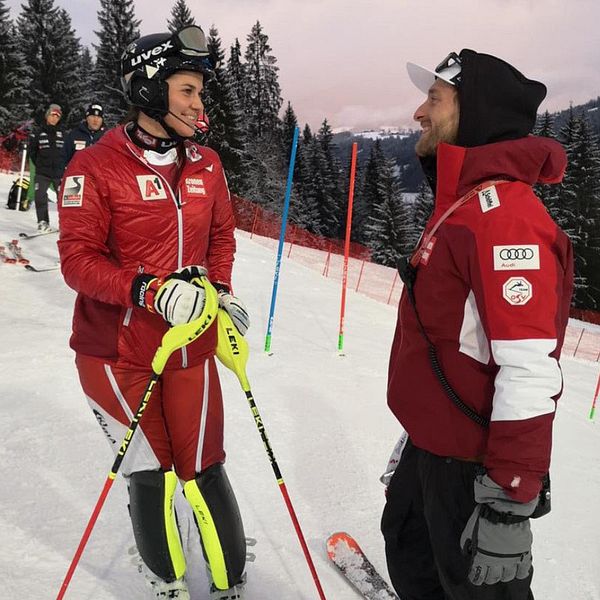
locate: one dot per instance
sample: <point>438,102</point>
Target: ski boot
<point>163,590</point>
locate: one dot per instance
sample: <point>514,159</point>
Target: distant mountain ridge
<point>400,143</point>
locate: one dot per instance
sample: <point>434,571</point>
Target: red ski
<point>352,562</point>
<point>17,253</point>
<point>5,257</point>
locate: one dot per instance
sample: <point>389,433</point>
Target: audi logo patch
<point>517,258</point>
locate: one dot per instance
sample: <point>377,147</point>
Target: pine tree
<point>181,16</point>
<point>289,124</point>
<point>304,209</point>
<point>226,134</point>
<point>548,194</point>
<point>118,28</point>
<point>13,75</point>
<point>236,72</point>
<point>581,190</point>
<point>332,201</point>
<point>422,208</point>
<point>368,194</point>
<point>262,92</point>
<point>51,54</point>
<point>388,228</point>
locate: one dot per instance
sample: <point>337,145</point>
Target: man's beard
<point>446,133</point>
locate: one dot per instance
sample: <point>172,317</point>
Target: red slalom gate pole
<point>347,246</point>
<point>593,409</point>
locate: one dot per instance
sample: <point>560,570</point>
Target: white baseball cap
<point>448,70</point>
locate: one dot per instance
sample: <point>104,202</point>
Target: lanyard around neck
<point>417,255</point>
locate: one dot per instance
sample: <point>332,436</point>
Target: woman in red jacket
<point>142,212</point>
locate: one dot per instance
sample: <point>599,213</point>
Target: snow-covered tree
<point>332,201</point>
<point>422,208</point>
<point>51,55</point>
<point>13,75</point>
<point>236,72</point>
<point>226,134</point>
<point>181,16</point>
<point>581,194</point>
<point>262,92</point>
<point>548,194</point>
<point>118,28</point>
<point>367,192</point>
<point>388,228</point>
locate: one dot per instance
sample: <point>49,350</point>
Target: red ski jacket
<point>120,217</point>
<point>493,290</point>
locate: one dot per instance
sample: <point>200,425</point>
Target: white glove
<point>235,308</point>
<point>179,302</point>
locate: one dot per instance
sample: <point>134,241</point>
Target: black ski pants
<point>42,183</point>
<point>429,501</point>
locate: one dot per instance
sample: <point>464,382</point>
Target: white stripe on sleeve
<point>527,379</point>
<point>473,341</point>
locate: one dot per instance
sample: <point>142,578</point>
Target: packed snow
<point>325,415</point>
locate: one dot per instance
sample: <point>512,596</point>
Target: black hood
<point>497,102</point>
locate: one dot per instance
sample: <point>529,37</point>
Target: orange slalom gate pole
<point>347,246</point>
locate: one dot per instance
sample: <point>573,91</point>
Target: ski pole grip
<point>232,348</point>
<point>181,335</point>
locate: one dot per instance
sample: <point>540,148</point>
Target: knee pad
<point>220,524</point>
<point>154,522</point>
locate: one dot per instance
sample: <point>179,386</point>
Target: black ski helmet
<point>150,60</point>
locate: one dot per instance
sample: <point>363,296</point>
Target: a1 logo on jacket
<point>151,187</point>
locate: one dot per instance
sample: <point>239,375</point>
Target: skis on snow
<point>17,253</point>
<point>12,253</point>
<point>347,556</point>
<point>28,236</point>
<point>54,267</point>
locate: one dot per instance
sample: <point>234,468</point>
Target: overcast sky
<point>344,60</point>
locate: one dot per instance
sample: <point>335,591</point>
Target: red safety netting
<point>376,281</point>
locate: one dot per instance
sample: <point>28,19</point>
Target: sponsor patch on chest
<point>517,291</point>
<point>488,199</point>
<point>79,144</point>
<point>194,186</point>
<point>73,191</point>
<point>151,187</point>
<point>516,257</point>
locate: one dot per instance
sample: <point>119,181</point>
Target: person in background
<point>46,152</point>
<point>144,213</point>
<point>88,132</point>
<point>473,373</point>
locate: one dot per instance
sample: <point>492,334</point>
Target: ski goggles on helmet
<point>191,41</point>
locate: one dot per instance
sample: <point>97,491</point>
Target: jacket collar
<point>530,160</point>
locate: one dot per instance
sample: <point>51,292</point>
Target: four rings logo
<point>517,257</point>
<point>516,253</point>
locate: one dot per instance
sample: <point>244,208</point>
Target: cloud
<point>344,59</point>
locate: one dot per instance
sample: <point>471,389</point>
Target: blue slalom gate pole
<point>284,216</point>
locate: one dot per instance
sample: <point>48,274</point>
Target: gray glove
<point>497,536</point>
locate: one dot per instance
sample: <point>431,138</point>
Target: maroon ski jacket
<point>120,217</point>
<point>493,290</point>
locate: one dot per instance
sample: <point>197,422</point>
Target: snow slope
<point>325,415</point>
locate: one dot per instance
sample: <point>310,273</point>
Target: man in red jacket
<point>474,374</point>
